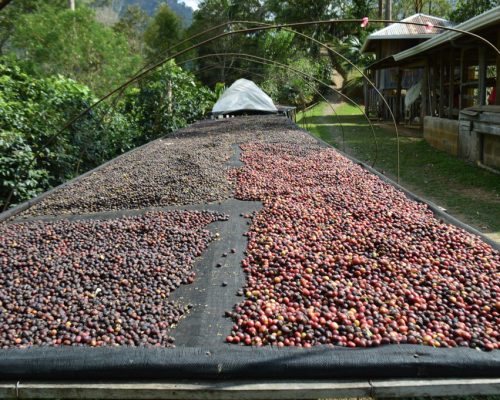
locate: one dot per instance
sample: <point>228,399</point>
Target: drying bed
<point>187,167</point>
<point>97,282</point>
<point>316,252</point>
<point>337,256</point>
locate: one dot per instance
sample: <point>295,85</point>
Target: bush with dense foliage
<point>168,99</point>
<point>34,154</point>
<point>294,88</point>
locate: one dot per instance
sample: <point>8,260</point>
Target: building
<point>386,42</point>
<point>454,77</point>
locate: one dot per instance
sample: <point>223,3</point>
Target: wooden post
<point>451,87</point>
<point>497,101</point>
<point>432,87</point>
<point>481,92</point>
<point>441,86</point>
<point>367,98</point>
<point>398,94</point>
<point>460,95</point>
<point>425,92</point>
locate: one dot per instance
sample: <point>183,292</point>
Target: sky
<point>191,3</point>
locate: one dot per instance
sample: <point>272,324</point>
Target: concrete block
<point>442,133</point>
<point>491,151</point>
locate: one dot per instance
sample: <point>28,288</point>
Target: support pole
<point>398,95</point>
<point>451,86</point>
<point>481,92</point>
<point>425,92</point>
<point>497,101</point>
<point>441,86</point>
<point>462,78</point>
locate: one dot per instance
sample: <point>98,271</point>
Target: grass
<point>467,192</point>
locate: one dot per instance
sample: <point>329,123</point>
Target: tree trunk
<point>71,5</point>
<point>388,9</point>
<point>170,97</point>
<point>380,8</point>
<point>419,5</point>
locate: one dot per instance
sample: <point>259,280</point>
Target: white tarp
<point>412,94</point>
<point>243,95</point>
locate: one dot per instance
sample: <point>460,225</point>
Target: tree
<point>290,87</point>
<point>132,25</point>
<point>34,155</point>
<point>361,8</point>
<point>166,100</point>
<point>466,9</point>
<point>9,19</point>
<point>74,44</point>
<point>164,30</point>
<point>215,12</point>
<point>305,10</point>
<point>405,8</point>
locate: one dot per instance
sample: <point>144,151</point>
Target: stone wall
<point>442,134</point>
<point>491,151</point>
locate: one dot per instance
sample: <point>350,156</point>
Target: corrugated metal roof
<point>488,18</point>
<point>481,21</point>
<point>402,30</point>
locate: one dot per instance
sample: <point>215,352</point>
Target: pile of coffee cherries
<point>97,282</point>
<point>189,166</point>
<point>339,257</point>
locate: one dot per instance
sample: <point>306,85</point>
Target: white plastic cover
<point>243,95</point>
<point>412,94</point>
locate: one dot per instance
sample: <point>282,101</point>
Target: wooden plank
<point>471,83</point>
<point>262,390</point>
<point>483,127</point>
<point>490,109</point>
<point>8,390</point>
<point>197,390</point>
<point>469,113</point>
<point>436,387</point>
<point>490,117</point>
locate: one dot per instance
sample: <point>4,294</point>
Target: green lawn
<point>470,193</point>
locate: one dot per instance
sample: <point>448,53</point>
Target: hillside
<point>150,6</point>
